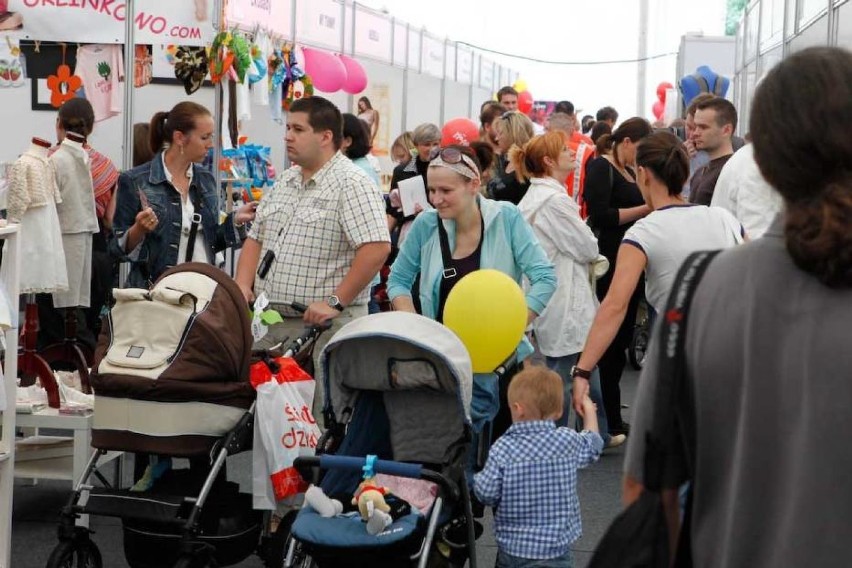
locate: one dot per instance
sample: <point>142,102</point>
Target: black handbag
<point>638,537</point>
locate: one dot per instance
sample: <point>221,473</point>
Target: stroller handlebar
<point>412,470</point>
<point>381,466</point>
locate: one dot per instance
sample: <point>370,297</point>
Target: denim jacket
<point>509,245</point>
<point>159,250</point>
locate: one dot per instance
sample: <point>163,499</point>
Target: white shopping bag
<point>284,429</point>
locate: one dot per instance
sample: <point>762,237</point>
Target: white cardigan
<point>561,329</point>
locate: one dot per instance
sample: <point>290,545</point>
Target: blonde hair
<point>404,141</point>
<point>538,389</point>
<point>529,160</point>
<point>516,126</point>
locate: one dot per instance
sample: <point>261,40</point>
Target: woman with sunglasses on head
<point>561,329</point>
<point>481,233</point>
<point>513,129</point>
<point>167,210</point>
<point>656,245</point>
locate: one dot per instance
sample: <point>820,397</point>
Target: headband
<point>465,167</point>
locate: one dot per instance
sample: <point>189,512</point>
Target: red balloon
<point>659,109</point>
<point>356,78</point>
<point>326,70</point>
<point>661,91</point>
<point>459,131</point>
<point>525,102</point>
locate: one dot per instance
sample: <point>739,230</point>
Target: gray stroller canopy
<point>422,369</point>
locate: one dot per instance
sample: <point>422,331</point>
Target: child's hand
<point>589,407</point>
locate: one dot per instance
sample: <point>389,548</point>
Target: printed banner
<point>373,36</point>
<point>274,16</point>
<point>320,22</point>
<point>187,22</point>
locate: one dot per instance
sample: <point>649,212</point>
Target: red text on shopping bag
<point>288,429</point>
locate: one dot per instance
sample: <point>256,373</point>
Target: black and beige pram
<point>171,379</point>
<point>397,386</point>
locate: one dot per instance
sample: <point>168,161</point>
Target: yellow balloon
<point>520,85</point>
<point>488,312</point>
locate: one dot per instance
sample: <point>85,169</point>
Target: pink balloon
<point>326,70</point>
<point>356,77</point>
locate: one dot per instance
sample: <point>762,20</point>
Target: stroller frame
<point>75,541</point>
<point>413,471</point>
<point>398,337</point>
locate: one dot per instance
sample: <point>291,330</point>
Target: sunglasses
<point>452,155</point>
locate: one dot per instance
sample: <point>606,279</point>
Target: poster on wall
<point>188,22</point>
<point>541,110</point>
<point>380,98</point>
<point>274,16</point>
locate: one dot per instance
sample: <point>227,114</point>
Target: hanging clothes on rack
<point>32,200</point>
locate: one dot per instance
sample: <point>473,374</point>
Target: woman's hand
<point>245,214</point>
<point>146,221</point>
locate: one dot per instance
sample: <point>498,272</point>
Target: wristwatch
<point>582,373</point>
<point>334,302</point>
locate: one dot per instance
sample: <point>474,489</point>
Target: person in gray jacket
<point>767,347</point>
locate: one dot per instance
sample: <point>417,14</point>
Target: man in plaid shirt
<point>531,474</point>
<point>320,231</point>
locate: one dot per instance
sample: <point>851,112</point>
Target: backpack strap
<point>703,85</point>
<point>671,424</point>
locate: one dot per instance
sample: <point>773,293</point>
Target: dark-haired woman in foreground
<point>767,345</point>
<point>657,244</point>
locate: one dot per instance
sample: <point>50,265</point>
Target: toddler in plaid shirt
<point>531,474</point>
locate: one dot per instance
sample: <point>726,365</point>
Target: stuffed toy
<point>369,498</point>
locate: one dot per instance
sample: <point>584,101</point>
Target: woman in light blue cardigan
<point>481,234</point>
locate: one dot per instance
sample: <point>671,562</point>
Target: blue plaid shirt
<point>531,477</point>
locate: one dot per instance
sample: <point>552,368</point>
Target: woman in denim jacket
<point>157,201</point>
<point>482,234</point>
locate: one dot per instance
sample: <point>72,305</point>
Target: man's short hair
<point>539,389</point>
<point>564,106</point>
<point>726,112</point>
<point>697,100</point>
<point>322,115</point>
<point>490,111</point>
<point>561,121</point>
<point>607,113</point>
<point>507,90</point>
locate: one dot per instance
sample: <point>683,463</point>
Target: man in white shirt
<point>742,190</point>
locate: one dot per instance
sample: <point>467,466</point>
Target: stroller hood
<point>395,353</point>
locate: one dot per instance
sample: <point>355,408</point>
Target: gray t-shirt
<point>770,368</point>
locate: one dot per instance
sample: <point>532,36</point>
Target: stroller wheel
<point>194,562</point>
<point>638,347</point>
<point>274,550</point>
<point>76,553</point>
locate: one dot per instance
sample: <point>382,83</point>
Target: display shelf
<point>9,279</point>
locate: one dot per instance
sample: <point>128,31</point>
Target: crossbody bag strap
<point>670,426</point>
<point>446,253</point>
<point>196,221</point>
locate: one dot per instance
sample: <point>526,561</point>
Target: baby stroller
<point>397,386</point>
<point>171,379</point>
